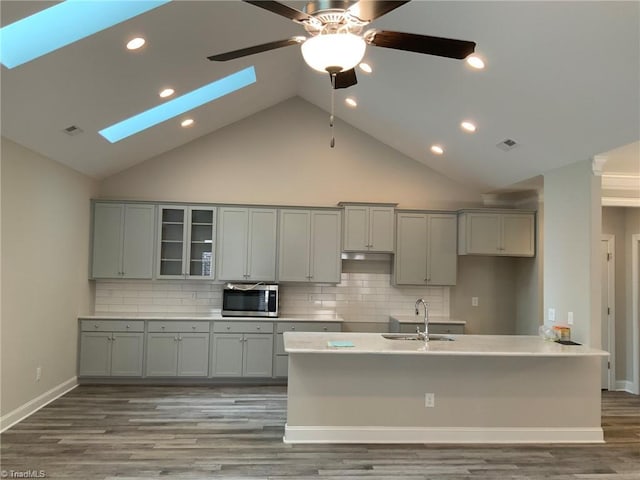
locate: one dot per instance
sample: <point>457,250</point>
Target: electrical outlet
<point>570,318</point>
<point>474,301</point>
<point>38,373</point>
<point>429,400</point>
<point>552,315</point>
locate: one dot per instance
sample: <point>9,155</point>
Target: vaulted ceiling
<point>561,78</point>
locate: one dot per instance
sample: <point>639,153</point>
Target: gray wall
<point>45,252</point>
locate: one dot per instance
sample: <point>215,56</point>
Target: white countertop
<point>218,317</point>
<point>420,319</point>
<point>463,345</point>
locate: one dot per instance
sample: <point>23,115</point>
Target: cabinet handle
<point>293,328</point>
<point>324,328</point>
<point>257,328</point>
<point>175,339</point>
<point>193,327</point>
<point>162,327</point>
<point>95,326</point>
<point>179,338</point>
<point>228,328</point>
<point>113,339</point>
<point>128,326</point>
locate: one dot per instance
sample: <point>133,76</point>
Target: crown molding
<point>615,181</point>
<point>620,202</point>
<point>597,164</point>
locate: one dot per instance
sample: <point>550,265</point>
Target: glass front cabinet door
<point>186,236</point>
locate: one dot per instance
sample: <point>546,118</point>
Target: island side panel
<point>546,394</point>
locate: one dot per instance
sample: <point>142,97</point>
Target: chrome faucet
<point>423,335</point>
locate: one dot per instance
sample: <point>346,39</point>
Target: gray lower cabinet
<point>177,349</point>
<point>281,359</point>
<point>437,328</point>
<point>242,349</point>
<point>111,348</point>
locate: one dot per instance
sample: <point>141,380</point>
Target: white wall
<point>572,229</point>
<point>282,156</point>
<point>45,251</point>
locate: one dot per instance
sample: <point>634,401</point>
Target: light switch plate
<point>474,301</point>
<point>570,318</point>
<point>552,315</point>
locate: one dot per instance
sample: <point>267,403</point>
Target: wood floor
<point>142,432</point>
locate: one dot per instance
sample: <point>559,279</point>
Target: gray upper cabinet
<point>425,249</point>
<point>496,233</point>
<point>247,244</point>
<point>368,228</point>
<point>185,242</point>
<point>309,249</point>
<point>122,240</point>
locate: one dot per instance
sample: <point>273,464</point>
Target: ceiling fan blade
<point>344,79</point>
<point>369,10</point>
<point>243,52</point>
<point>411,42</point>
<point>281,9</point>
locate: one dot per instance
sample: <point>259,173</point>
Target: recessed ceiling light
<point>135,43</point>
<point>468,126</point>
<point>365,67</point>
<point>167,92</point>
<point>179,105</point>
<point>63,24</point>
<point>351,102</point>
<point>475,62</point>
<point>437,149</point>
<point>187,122</point>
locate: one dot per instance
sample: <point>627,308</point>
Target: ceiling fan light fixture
<point>341,50</point>
<point>365,67</point>
<point>475,62</point>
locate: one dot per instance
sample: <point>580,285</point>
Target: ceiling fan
<point>336,43</point>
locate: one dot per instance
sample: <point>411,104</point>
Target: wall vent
<point>73,130</point>
<point>507,144</point>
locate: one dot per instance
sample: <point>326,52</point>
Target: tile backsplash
<point>361,296</point>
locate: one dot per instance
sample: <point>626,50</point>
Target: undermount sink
<point>413,336</point>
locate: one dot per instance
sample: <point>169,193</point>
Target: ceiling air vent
<point>73,130</point>
<point>507,144</point>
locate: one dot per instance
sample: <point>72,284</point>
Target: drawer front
<point>243,327</point>
<point>309,327</point>
<point>112,325</point>
<point>452,329</point>
<point>183,326</point>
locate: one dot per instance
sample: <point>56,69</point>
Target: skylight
<point>63,24</point>
<point>179,105</point>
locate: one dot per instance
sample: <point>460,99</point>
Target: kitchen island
<point>474,389</point>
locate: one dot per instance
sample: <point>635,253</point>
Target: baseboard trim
<point>10,419</point>
<point>624,386</point>
<point>313,434</point>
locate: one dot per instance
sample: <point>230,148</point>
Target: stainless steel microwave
<point>249,300</point>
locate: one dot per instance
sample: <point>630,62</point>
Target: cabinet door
<point>233,235</point>
<point>226,355</point>
<point>326,264</point>
<point>107,240</point>
<point>518,236</point>
<point>381,222</point>
<point>193,354</point>
<point>442,253</point>
<point>126,354</point>
<point>257,355</point>
<point>172,237</point>
<point>95,354</point>
<point>295,246</point>
<point>162,354</point>
<point>261,259</point>
<point>200,234</point>
<point>411,249</point>
<point>483,233</point>
<point>138,241</point>
<point>356,228</point>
